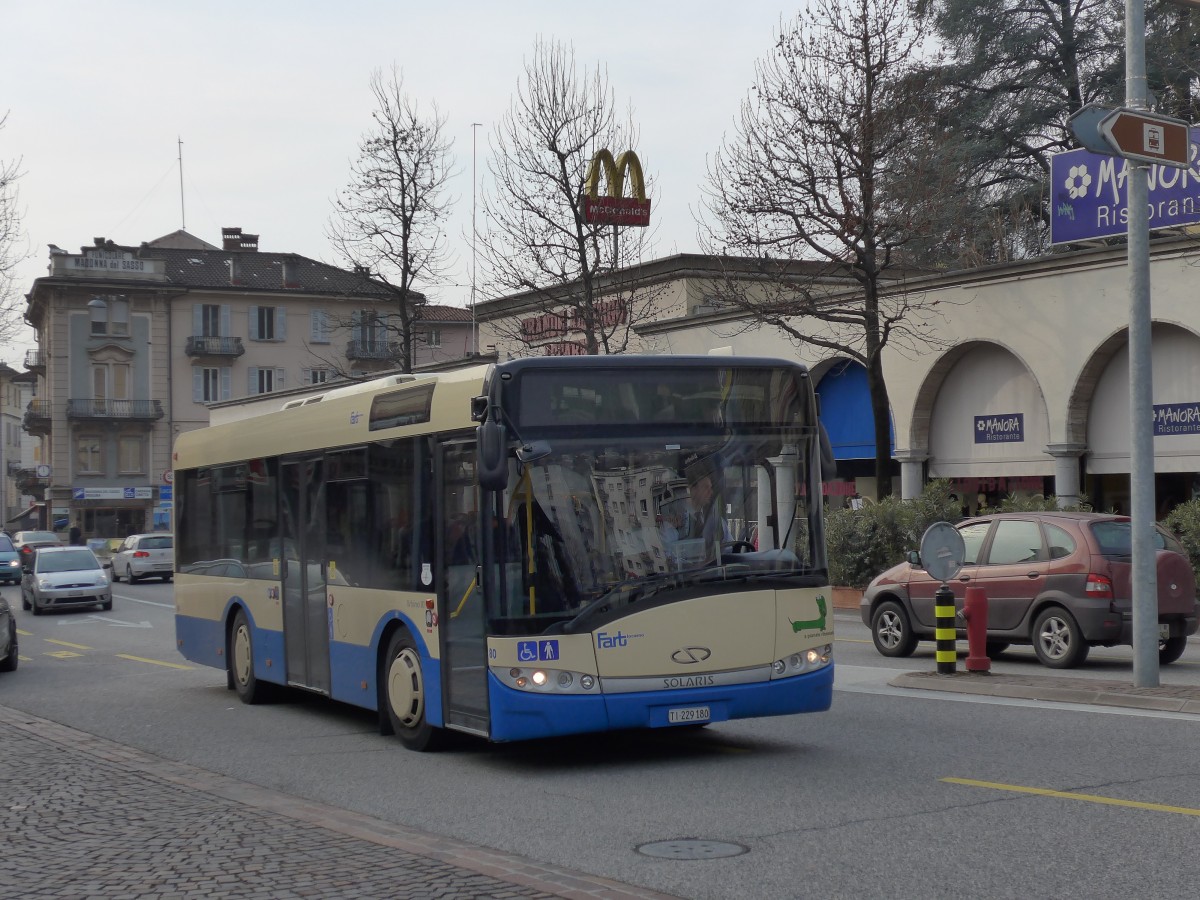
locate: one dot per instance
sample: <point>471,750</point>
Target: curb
<point>1166,698</point>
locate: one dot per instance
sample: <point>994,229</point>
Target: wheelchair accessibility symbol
<point>535,651</point>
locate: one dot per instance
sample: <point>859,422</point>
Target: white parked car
<point>145,556</point>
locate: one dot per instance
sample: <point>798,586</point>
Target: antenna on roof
<point>182,214</point>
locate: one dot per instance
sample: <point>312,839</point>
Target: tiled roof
<point>256,270</point>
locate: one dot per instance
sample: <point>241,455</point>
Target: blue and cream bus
<point>537,547</point>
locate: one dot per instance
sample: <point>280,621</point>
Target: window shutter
<point>226,382</point>
<point>252,382</point>
<point>356,325</point>
<point>198,385</point>
<point>306,376</point>
<point>318,327</point>
<point>281,323</point>
<point>279,379</point>
<point>197,319</point>
<point>253,323</point>
<point>226,321</point>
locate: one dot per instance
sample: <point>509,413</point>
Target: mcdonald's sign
<point>613,208</point>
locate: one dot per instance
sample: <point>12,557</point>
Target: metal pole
<point>1141,396</point>
<point>474,232</point>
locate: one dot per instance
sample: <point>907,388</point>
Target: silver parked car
<point>145,556</point>
<point>62,577</point>
<point>8,638</point>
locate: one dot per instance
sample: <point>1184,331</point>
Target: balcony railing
<point>382,350</point>
<point>203,345</point>
<point>37,417</point>
<point>145,410</point>
<point>35,359</point>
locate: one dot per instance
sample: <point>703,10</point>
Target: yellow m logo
<point>614,174</point>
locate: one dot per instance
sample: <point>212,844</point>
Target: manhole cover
<point>690,848</point>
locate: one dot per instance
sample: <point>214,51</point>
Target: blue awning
<point>846,412</point>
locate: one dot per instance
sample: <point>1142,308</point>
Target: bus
<point>516,550</point>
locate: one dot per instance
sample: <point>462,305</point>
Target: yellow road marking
<point>64,654</point>
<point>68,644</point>
<point>24,632</point>
<point>153,662</point>
<point>1071,795</point>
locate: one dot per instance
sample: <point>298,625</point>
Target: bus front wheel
<point>404,684</point>
<point>241,662</point>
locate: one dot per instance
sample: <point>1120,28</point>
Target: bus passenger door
<point>306,618</point>
<point>461,609</point>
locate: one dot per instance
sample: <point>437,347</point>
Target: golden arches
<point>614,174</point>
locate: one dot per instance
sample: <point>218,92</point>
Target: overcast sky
<point>270,99</point>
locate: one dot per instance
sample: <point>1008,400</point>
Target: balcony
<point>379,351</point>
<point>35,361</point>
<point>125,410</point>
<point>203,345</point>
<point>37,417</point>
<point>28,482</point>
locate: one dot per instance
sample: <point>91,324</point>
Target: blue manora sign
<point>1088,194</point>
<point>1004,428</point>
<point>1176,418</point>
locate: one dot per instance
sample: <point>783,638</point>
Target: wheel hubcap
<point>242,660</point>
<point>889,630</point>
<point>1055,638</point>
<point>406,692</point>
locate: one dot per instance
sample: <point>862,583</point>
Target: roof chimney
<point>234,239</point>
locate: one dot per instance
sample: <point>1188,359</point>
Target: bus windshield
<point>616,503</point>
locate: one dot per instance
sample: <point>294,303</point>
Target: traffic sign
<point>1149,137</point>
<point>1085,125</point>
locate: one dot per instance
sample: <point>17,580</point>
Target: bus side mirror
<point>492,443</point>
<point>828,461</point>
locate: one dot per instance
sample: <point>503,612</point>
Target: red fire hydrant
<point>975,611</point>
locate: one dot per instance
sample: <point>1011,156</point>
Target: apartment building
<point>135,343</point>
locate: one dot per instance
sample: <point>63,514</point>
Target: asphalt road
<point>892,794</point>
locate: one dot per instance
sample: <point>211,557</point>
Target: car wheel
<point>24,601</point>
<point>995,648</point>
<point>9,663</point>
<point>241,662</point>
<point>1171,649</point>
<point>33,606</point>
<point>107,605</point>
<point>891,630</point>
<point>116,576</point>
<point>404,687</point>
<point>1057,640</point>
<point>130,576</point>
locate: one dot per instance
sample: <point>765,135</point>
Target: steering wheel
<point>741,547</point>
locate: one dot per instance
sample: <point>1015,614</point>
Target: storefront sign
<point>1088,194</point>
<point>112,493</point>
<point>1176,418</point>
<point>1002,429</point>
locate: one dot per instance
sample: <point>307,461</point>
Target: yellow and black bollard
<point>943,615</point>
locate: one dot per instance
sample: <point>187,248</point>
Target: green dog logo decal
<point>818,622</point>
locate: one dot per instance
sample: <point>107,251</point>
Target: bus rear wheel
<point>404,689</point>
<point>241,662</point>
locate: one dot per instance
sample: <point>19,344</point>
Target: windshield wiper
<point>624,593</point>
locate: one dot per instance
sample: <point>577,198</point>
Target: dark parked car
<point>8,638</point>
<point>1057,580</point>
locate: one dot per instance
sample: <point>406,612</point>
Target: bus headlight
<point>547,681</point>
<point>805,661</point>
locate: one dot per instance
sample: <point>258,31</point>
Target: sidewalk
<point>1063,689</point>
<point>86,817</point>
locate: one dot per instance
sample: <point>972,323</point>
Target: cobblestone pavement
<point>84,817</point>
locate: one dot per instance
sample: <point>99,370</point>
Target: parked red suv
<point>1057,580</point>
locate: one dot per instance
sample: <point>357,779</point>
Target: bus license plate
<point>688,714</point>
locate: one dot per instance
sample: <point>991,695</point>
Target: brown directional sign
<point>1137,134</point>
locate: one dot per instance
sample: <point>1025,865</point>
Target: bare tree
<point>536,241</point>
<point>13,250</point>
<point>821,171</point>
<point>388,221</point>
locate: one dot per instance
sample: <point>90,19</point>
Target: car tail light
<point>142,554</point>
<point>1099,586</point>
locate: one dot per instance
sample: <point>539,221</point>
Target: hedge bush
<point>1184,522</point>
